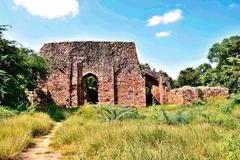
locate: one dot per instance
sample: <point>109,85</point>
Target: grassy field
<point>18,130</point>
<point>205,130</point>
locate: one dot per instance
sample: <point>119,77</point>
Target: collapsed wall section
<point>188,95</point>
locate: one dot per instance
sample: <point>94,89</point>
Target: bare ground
<point>40,149</point>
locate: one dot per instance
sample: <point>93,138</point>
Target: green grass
<point>58,113</point>
<point>7,112</point>
<point>199,131</point>
<point>16,132</point>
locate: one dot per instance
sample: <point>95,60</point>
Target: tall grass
<point>16,132</point>
<point>135,140</point>
<point>199,131</point>
<point>58,113</point>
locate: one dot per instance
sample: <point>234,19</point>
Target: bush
<point>111,114</point>
<point>7,112</point>
<point>232,103</point>
<point>16,132</point>
<point>177,117</point>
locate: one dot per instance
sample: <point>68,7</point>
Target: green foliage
<point>144,66</point>
<point>172,82</point>
<point>227,73</point>
<point>20,68</point>
<point>232,103</point>
<point>57,113</point>
<point>188,76</point>
<point>232,148</point>
<point>7,112</point>
<point>202,68</point>
<point>177,117</point>
<point>90,84</point>
<point>111,114</point>
<point>3,28</point>
<point>196,131</point>
<point>229,48</point>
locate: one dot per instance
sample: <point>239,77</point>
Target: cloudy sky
<point>169,35</point>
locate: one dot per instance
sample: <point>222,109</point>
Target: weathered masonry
<point>113,66</point>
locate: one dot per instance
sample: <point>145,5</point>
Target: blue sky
<point>169,35</point>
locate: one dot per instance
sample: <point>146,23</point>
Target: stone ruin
<point>119,78</point>
<point>188,95</point>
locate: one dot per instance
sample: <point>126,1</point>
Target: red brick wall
<point>115,64</point>
<point>188,95</point>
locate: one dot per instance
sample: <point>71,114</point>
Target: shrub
<point>231,104</point>
<point>177,117</point>
<point>113,114</point>
<point>7,112</point>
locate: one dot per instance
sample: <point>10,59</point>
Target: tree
<point>229,48</point>
<point>202,68</point>
<point>20,69</point>
<point>172,82</point>
<point>144,66</point>
<point>188,76</point>
<point>227,72</point>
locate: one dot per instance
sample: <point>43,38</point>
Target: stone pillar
<point>162,91</point>
<point>80,90</point>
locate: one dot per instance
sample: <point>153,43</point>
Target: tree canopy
<point>229,48</point>
<point>19,70</point>
<point>226,56</point>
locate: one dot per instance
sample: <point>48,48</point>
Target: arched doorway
<point>90,88</point>
<point>149,96</point>
<point>152,90</point>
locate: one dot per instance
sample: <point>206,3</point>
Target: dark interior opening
<point>90,87</point>
<point>149,83</point>
<point>149,96</point>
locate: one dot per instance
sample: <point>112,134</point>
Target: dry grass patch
<point>135,140</point>
<point>16,132</point>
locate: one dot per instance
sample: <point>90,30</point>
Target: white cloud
<point>163,34</point>
<point>50,9</point>
<point>168,17</point>
<point>233,5</point>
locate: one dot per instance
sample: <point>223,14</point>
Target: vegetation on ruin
<point>204,130</point>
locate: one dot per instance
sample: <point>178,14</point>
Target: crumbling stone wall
<point>116,67</point>
<point>158,84</point>
<point>115,64</point>
<point>188,95</point>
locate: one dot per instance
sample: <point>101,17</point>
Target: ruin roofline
<point>73,42</point>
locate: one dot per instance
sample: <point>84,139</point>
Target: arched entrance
<point>149,96</point>
<point>90,88</point>
<point>152,90</point>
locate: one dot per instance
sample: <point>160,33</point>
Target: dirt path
<point>40,149</point>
